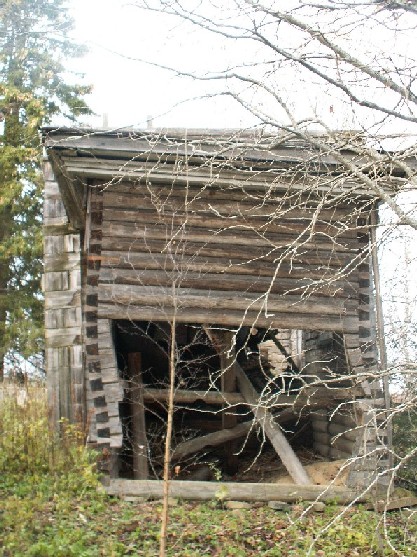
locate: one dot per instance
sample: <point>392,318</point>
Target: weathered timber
<point>314,396</point>
<point>293,267</point>
<point>350,433</point>
<point>148,312</point>
<point>195,176</point>
<point>139,440</point>
<point>203,491</point>
<point>207,280</point>
<point>228,385</point>
<point>272,430</point>
<point>183,396</point>
<point>227,236</point>
<point>224,436</point>
<point>207,220</point>
<point>343,445</point>
<point>268,254</point>
<point>211,440</point>
<point>227,202</point>
<point>220,299</point>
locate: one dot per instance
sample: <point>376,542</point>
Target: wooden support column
<point>139,440</point>
<point>228,385</point>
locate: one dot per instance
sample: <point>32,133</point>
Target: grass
<point>51,504</point>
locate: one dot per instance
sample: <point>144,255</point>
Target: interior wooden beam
<point>203,491</point>
<point>223,436</point>
<point>228,385</point>
<point>211,440</point>
<point>308,396</point>
<point>183,396</point>
<point>139,440</point>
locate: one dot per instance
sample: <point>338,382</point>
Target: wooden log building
<point>252,253</point>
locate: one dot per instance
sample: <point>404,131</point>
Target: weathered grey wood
<point>343,444</point>
<point>196,261</point>
<point>183,396</point>
<point>338,429</point>
<point>203,491</point>
<point>127,310</point>
<point>211,440</point>
<point>194,298</point>
<point>208,219</point>
<point>228,382</point>
<point>269,254</point>
<point>139,439</point>
<point>227,236</point>
<point>224,436</point>
<point>327,291</point>
<point>272,430</point>
<point>227,202</point>
<point>309,396</point>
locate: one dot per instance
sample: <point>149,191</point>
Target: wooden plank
<point>270,254</point>
<point>208,219</point>
<point>208,280</point>
<point>223,299</point>
<point>308,396</point>
<point>139,439</point>
<point>226,202</point>
<point>256,174</point>
<point>194,261</point>
<point>211,440</point>
<point>272,430</point>
<point>223,436</point>
<point>233,318</point>
<point>183,396</point>
<point>226,236</point>
<point>203,491</point>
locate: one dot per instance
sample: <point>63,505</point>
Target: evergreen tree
<point>34,44</point>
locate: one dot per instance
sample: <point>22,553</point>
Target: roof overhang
<point>227,158</point>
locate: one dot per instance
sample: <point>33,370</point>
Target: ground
<point>68,517</point>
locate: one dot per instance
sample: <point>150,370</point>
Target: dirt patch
<point>268,468</point>
<point>322,473</point>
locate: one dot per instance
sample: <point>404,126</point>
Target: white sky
<point>129,91</point>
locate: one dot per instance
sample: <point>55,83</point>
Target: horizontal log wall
<point>291,264</point>
<point>63,319</point>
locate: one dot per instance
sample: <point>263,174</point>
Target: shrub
<point>28,445</point>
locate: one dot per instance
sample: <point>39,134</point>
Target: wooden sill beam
<point>223,491</point>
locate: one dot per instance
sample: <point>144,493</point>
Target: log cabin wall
<point>266,248</point>
<point>63,318</point>
<point>204,245</point>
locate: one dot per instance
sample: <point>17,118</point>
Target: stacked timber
<point>211,243</point>
<point>63,319</point>
<point>105,384</point>
<point>336,433</point>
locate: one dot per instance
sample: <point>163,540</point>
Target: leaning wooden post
<point>272,430</point>
<point>383,361</point>
<point>139,440</point>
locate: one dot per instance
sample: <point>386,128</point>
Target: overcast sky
<point>130,91</point>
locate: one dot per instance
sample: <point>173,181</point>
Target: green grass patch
<point>52,505</point>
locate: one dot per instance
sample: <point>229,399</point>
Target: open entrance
<point>237,394</point>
